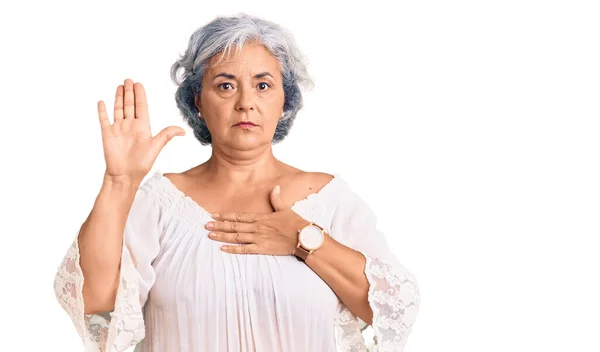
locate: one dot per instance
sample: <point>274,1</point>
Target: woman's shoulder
<point>157,187</point>
<point>311,180</point>
<point>332,188</point>
<point>322,185</point>
<point>300,184</point>
<point>152,181</point>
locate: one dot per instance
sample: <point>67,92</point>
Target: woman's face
<point>246,88</point>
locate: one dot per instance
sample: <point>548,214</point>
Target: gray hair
<point>221,35</point>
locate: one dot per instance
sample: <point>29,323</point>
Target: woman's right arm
<point>100,244</point>
<point>129,151</point>
<point>104,279</point>
<point>104,285</point>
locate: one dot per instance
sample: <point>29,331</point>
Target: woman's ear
<point>198,107</point>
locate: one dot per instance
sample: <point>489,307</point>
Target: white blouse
<point>179,292</point>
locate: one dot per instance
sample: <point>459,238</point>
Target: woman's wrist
<point>121,182</point>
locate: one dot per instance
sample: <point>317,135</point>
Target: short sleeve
<point>393,292</point>
<point>124,326</point>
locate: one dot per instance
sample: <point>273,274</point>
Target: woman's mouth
<point>245,124</point>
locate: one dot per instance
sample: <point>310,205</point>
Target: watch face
<point>310,237</point>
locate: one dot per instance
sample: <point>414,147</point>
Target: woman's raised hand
<point>129,147</point>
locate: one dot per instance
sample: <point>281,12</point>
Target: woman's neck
<point>242,167</point>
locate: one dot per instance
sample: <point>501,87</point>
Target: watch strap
<point>301,253</point>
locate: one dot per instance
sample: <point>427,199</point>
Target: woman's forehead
<point>250,60</point>
<point>249,54</point>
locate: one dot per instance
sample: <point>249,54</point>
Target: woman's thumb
<point>164,136</point>
<point>275,197</point>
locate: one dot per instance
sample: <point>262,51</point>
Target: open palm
<point>130,150</point>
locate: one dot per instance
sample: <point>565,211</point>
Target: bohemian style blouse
<point>179,292</point>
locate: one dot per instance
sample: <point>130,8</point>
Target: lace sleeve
<point>394,299</point>
<point>124,326</point>
<point>393,291</point>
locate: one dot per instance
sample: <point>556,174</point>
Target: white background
<point>470,127</point>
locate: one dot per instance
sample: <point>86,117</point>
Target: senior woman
<point>242,252</point>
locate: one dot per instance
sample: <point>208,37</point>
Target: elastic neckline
<point>312,196</point>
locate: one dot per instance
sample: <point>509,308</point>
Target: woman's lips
<point>245,124</point>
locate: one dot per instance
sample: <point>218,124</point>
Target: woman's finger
<point>118,112</point>
<point>230,226</point>
<point>129,100</point>
<point>239,217</point>
<point>243,249</point>
<point>102,115</point>
<point>233,237</point>
<point>141,104</point>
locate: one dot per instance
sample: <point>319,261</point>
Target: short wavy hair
<point>223,34</point>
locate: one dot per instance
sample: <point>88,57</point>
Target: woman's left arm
<point>342,268</point>
<point>368,278</point>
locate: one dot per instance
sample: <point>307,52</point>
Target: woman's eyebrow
<point>263,74</point>
<point>230,76</point>
<point>226,75</point>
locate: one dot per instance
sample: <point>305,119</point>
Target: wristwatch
<point>310,238</point>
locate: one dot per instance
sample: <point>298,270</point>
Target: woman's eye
<point>225,86</point>
<point>263,86</point>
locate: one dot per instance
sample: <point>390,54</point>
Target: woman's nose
<point>245,101</point>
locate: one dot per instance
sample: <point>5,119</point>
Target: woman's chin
<point>248,142</point>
